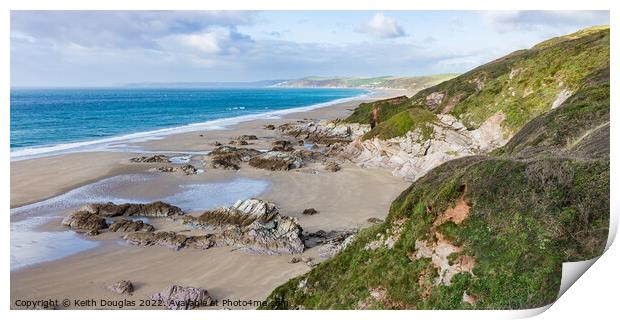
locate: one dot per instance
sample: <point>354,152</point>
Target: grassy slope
<point>411,83</point>
<point>523,84</point>
<point>530,211</point>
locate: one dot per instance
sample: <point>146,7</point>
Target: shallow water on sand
<point>31,245</point>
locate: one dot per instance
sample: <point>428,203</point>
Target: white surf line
<point>218,124</point>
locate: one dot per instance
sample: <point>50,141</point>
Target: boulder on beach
<point>310,211</point>
<point>238,142</point>
<point>122,287</point>
<point>276,161</point>
<point>155,209</point>
<point>227,157</point>
<point>282,145</point>
<point>126,225</point>
<point>253,225</point>
<point>270,127</point>
<point>331,166</point>
<point>84,221</point>
<point>170,239</point>
<point>158,158</point>
<point>183,298</point>
<point>187,169</point>
<point>246,137</point>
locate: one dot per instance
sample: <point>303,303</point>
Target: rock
<point>282,145</point>
<point>247,137</point>
<point>86,222</point>
<point>253,225</point>
<point>322,237</point>
<point>227,157</point>
<point>276,161</point>
<point>158,158</point>
<point>203,242</point>
<point>295,260</point>
<point>170,239</point>
<point>309,156</point>
<point>187,169</point>
<point>332,166</point>
<point>238,142</point>
<point>325,132</point>
<point>126,225</point>
<point>155,209</point>
<point>333,246</point>
<point>310,211</point>
<point>122,287</point>
<point>183,298</point>
<point>270,127</point>
<point>217,144</point>
<point>413,155</point>
<point>374,220</point>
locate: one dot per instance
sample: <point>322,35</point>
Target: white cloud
<point>506,21</point>
<point>383,27</point>
<point>215,41</point>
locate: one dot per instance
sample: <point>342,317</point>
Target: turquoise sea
<point>47,121</point>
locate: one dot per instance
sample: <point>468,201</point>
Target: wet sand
<point>344,199</point>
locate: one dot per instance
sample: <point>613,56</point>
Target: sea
<point>55,121</point>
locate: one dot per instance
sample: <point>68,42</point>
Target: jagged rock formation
<point>158,158</point>
<point>126,225</point>
<point>276,161</point>
<point>155,209</point>
<point>170,240</point>
<point>253,225</point>
<point>85,222</point>
<point>324,132</point>
<point>282,145</point>
<point>183,298</point>
<point>122,287</point>
<point>226,157</point>
<point>187,169</point>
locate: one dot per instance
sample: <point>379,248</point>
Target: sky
<point>109,48</point>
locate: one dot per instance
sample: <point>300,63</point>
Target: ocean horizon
<point>50,121</point>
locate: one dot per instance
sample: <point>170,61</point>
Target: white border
<point>594,295</point>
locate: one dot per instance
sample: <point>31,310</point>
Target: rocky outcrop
<point>158,158</point>
<point>325,132</point>
<point>122,287</point>
<point>227,157</point>
<point>412,155</point>
<point>282,145</point>
<point>183,298</point>
<point>170,240</point>
<point>276,161</point>
<point>253,225</point>
<point>310,211</point>
<point>155,209</point>
<point>187,169</point>
<point>85,222</point>
<point>247,137</point>
<point>126,225</point>
<point>331,166</point>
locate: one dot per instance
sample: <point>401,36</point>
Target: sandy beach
<point>345,200</point>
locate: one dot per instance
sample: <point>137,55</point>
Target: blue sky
<point>106,48</point>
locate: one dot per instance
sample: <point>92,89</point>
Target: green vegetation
<point>404,121</point>
<point>409,83</point>
<point>522,85</point>
<point>541,200</point>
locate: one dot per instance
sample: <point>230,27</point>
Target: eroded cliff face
<point>413,155</point>
<point>409,156</point>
